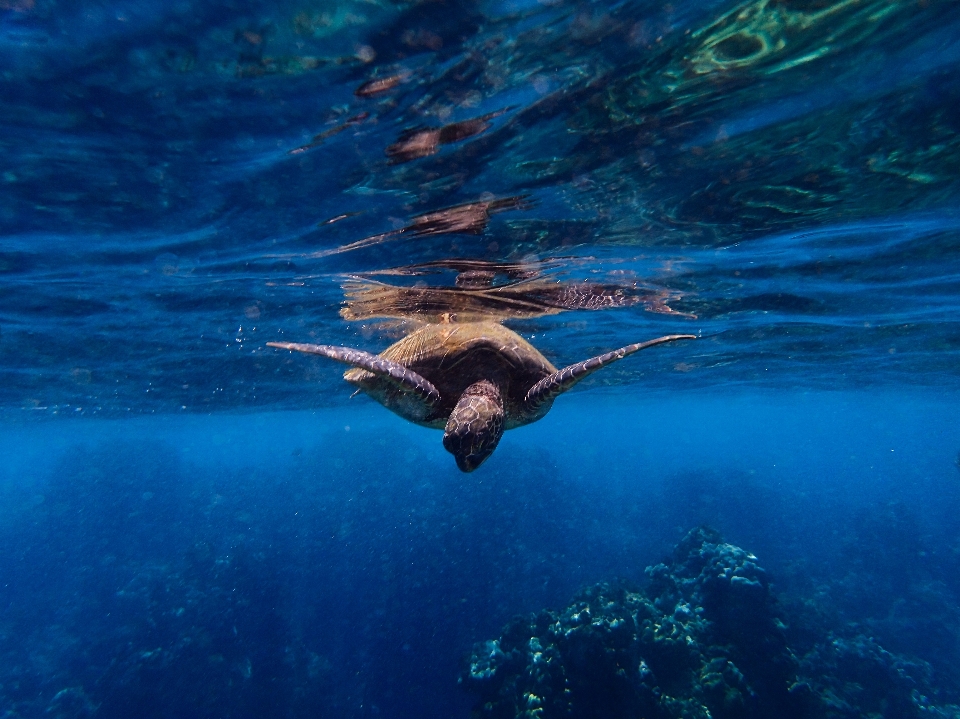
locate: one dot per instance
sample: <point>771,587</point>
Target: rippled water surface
<point>182,183</point>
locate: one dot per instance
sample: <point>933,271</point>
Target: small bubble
<point>365,53</point>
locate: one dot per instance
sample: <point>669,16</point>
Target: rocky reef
<point>705,638</point>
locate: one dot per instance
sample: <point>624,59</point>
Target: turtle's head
<point>475,425</point>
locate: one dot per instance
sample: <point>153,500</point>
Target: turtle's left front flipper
<point>560,381</point>
<point>396,374</point>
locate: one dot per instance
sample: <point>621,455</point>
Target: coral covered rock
<point>704,640</point>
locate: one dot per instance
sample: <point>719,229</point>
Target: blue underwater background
<point>762,522</point>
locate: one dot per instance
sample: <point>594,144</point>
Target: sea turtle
<point>472,379</point>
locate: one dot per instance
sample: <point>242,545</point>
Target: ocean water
<point>759,522</point>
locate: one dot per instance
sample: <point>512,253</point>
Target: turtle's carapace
<point>474,380</point>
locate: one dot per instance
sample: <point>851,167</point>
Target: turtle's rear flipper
<point>560,381</point>
<point>403,378</point>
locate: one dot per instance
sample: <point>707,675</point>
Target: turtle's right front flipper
<point>398,375</point>
<point>547,389</point>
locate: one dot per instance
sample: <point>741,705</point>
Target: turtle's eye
<point>475,426</point>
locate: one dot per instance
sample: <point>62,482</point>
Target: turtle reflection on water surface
<point>472,379</point>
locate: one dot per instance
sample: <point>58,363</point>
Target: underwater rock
<point>856,677</point>
<point>703,639</point>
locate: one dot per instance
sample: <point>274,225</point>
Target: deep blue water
<point>198,525</point>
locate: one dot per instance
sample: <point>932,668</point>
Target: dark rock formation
<point>703,640</point>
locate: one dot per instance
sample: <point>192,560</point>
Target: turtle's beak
<point>468,463</point>
<point>475,425</point>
